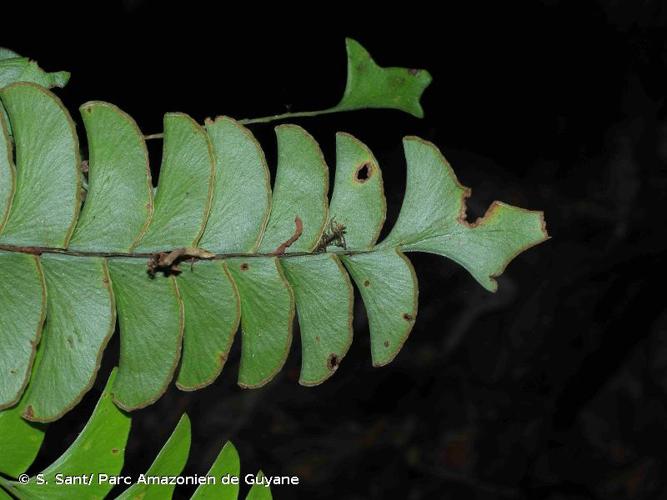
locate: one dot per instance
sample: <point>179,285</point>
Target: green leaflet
<point>432,219</point>
<point>23,306</point>
<point>242,195</point>
<point>169,462</point>
<point>185,187</point>
<point>14,68</point>
<point>100,448</point>
<point>267,313</point>
<point>119,202</point>
<point>259,491</point>
<point>7,172</point>
<point>45,206</point>
<point>82,317</point>
<point>388,285</point>
<point>5,54</point>
<point>227,463</point>
<point>20,441</point>
<point>358,201</point>
<point>324,301</point>
<point>300,190</point>
<point>212,315</point>
<point>371,86</point>
<point>150,315</point>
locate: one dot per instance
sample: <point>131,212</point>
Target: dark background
<point>552,388</point>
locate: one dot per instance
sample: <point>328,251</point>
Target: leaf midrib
<point>143,255</point>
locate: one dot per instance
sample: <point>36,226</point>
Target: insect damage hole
<point>363,172</point>
<point>333,361</point>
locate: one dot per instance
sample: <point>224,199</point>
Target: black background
<point>552,388</point>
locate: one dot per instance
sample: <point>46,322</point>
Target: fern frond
<point>98,453</point>
<point>260,257</point>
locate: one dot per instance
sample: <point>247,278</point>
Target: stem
<point>284,116</point>
<point>154,136</point>
<point>145,255</point>
<point>272,118</point>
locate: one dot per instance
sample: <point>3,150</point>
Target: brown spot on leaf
<point>115,451</point>
<point>298,229</point>
<point>244,266</point>
<point>333,361</point>
<point>386,343</point>
<point>363,172</point>
<point>13,371</point>
<point>367,283</point>
<point>408,317</point>
<point>29,412</point>
<point>414,71</point>
<point>317,338</point>
<point>222,357</point>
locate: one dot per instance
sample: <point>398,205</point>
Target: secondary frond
<point>98,454</point>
